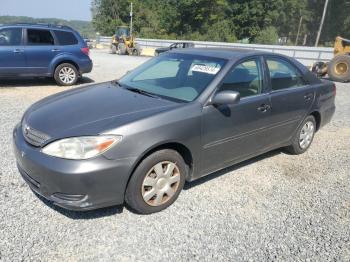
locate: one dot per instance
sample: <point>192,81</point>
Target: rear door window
<point>283,74</point>
<point>39,37</point>
<point>10,36</point>
<point>65,38</point>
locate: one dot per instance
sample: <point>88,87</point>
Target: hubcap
<point>306,134</point>
<point>341,68</point>
<point>67,75</point>
<point>161,183</point>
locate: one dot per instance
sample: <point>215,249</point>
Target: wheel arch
<point>66,62</point>
<point>61,60</point>
<point>180,148</point>
<point>317,116</point>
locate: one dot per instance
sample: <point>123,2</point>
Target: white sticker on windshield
<point>206,69</point>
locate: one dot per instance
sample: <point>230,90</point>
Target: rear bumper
<point>85,66</point>
<point>326,116</point>
<point>71,184</point>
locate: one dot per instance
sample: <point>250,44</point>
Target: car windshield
<point>177,77</point>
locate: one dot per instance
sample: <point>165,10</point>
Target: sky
<point>66,9</point>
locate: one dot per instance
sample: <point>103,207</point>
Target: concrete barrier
<point>304,54</point>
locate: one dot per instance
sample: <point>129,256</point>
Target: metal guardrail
<point>305,55</point>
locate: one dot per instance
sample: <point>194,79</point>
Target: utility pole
<point>296,40</point>
<point>321,25</point>
<point>131,19</point>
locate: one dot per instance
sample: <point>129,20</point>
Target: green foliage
<point>85,28</point>
<point>225,20</point>
<point>259,21</point>
<point>267,36</point>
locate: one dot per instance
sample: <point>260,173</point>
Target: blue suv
<point>37,50</point>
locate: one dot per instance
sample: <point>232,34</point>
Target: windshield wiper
<point>116,82</point>
<point>142,92</point>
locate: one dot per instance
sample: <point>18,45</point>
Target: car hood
<point>91,110</point>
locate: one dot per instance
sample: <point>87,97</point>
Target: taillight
<point>85,50</point>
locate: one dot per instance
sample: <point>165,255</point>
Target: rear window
<point>39,37</point>
<point>66,38</point>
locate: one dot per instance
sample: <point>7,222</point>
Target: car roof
<point>225,53</point>
<point>37,25</point>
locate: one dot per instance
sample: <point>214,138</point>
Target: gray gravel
<point>275,207</point>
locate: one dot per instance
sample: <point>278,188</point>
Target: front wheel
<point>66,74</point>
<point>303,137</point>
<point>156,182</point>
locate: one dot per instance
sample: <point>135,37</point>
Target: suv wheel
<point>66,74</point>
<point>304,136</point>
<point>156,182</point>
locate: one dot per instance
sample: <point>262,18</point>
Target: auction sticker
<point>206,69</point>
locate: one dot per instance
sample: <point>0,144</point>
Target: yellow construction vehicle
<point>338,69</point>
<point>123,43</point>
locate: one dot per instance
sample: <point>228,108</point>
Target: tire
<point>135,52</point>
<point>148,189</point>
<point>122,49</point>
<point>306,133</point>
<point>113,49</point>
<point>339,68</point>
<point>66,74</point>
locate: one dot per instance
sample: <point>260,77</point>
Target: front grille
<point>34,137</point>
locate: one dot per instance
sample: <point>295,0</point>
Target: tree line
<point>254,21</point>
<point>84,27</point>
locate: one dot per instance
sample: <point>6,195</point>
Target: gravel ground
<point>275,207</point>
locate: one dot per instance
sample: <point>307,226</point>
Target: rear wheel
<point>156,182</point>
<point>66,74</point>
<point>304,136</point>
<point>135,52</point>
<point>339,68</point>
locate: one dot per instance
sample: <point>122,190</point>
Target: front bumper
<point>72,184</point>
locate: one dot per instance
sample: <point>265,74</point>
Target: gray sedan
<point>176,118</point>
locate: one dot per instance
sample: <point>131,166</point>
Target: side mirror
<point>225,98</point>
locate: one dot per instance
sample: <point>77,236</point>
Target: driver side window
<point>245,78</point>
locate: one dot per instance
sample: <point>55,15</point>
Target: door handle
<point>263,108</point>
<point>18,51</point>
<point>55,50</point>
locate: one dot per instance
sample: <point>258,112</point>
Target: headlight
<point>81,147</point>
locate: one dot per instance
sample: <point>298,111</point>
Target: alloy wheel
<point>306,134</point>
<point>67,75</point>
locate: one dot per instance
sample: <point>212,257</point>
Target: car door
<point>291,98</point>
<point>233,132</point>
<point>40,50</point>
<point>12,59</point>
